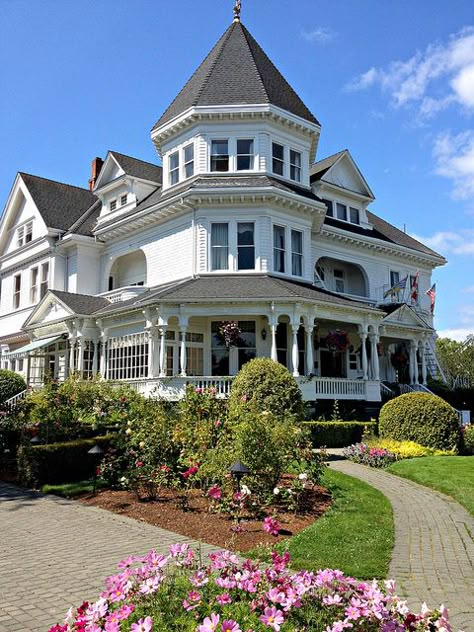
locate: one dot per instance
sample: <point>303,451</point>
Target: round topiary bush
<point>265,385</point>
<point>10,384</point>
<point>420,417</point>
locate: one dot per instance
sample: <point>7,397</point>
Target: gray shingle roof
<point>81,303</point>
<point>322,166</point>
<point>139,168</point>
<point>60,205</point>
<point>236,72</point>
<point>86,223</point>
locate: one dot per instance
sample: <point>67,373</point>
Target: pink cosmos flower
<point>189,472</point>
<point>125,611</point>
<point>223,599</point>
<point>210,623</point>
<point>215,492</point>
<point>143,625</point>
<point>273,618</point>
<point>229,625</point>
<point>271,526</point>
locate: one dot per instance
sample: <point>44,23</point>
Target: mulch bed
<point>199,523</point>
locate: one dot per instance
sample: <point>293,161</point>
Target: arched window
<point>128,270</point>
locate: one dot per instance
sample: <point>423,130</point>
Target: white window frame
<point>297,256</point>
<point>113,205</point>
<point>44,283</point>
<point>16,292</point>
<point>123,199</point>
<point>338,206</point>
<point>174,172</point>
<point>278,160</point>
<point>233,247</point>
<point>245,245</point>
<point>280,250</point>
<point>293,165</point>
<point>34,281</point>
<point>339,279</point>
<point>211,248</point>
<point>220,139</point>
<point>251,156</point>
<point>186,163</point>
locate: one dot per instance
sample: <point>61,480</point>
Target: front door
<point>333,363</point>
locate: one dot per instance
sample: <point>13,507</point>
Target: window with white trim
<point>123,199</point>
<point>16,291</point>
<point>127,357</point>
<point>220,246</point>
<point>24,234</point>
<point>220,155</point>
<point>329,207</point>
<point>113,205</point>
<point>341,210</point>
<point>188,152</point>
<point>394,277</point>
<point>339,280</point>
<point>34,285</point>
<point>295,165</point>
<point>245,154</point>
<point>245,246</point>
<point>44,279</point>
<point>279,248</point>
<point>174,167</point>
<point>278,159</point>
<point>354,215</point>
<point>296,253</point>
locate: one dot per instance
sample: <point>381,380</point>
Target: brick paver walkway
<point>433,557</point>
<point>54,553</point>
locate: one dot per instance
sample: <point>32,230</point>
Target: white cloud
<point>445,242</point>
<point>460,334</point>
<point>321,35</point>
<point>432,79</point>
<point>469,289</point>
<point>454,158</point>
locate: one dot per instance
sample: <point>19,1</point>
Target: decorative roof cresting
<point>237,9</point>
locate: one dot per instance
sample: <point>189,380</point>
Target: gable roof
<point>59,204</point>
<point>81,303</point>
<point>318,169</point>
<point>236,72</point>
<point>138,168</point>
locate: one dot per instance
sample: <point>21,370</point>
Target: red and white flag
<point>414,288</point>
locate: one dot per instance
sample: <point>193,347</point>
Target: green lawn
<point>452,475</point>
<point>355,535</point>
<point>70,490</point>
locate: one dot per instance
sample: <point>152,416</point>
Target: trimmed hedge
<point>338,434</point>
<point>64,462</point>
<point>10,385</point>
<point>422,418</point>
<point>468,439</point>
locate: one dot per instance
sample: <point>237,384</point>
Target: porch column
<point>273,327</point>
<point>80,356</point>
<point>163,329</point>
<point>309,350</point>
<point>95,357</point>
<point>374,341</point>
<point>363,341</point>
<point>294,350</point>
<point>103,356</point>
<point>424,372</point>
<point>183,327</point>
<point>413,368</point>
<point>152,340</point>
<point>72,347</point>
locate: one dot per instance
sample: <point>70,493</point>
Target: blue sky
<point>391,81</point>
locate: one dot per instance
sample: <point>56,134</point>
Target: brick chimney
<point>96,167</point>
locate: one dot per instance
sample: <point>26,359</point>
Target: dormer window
<point>354,215</point>
<point>174,167</point>
<point>113,205</point>
<point>220,155</point>
<point>123,199</point>
<point>245,155</point>
<point>189,161</point>
<point>24,234</point>
<point>328,204</point>
<point>295,165</point>
<point>278,159</point>
<point>341,210</point>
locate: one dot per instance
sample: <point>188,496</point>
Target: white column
<point>162,330</point>
<point>273,329</point>
<point>152,340</point>
<point>80,355</point>
<point>294,350</point>
<point>363,340</point>
<point>374,341</point>
<point>412,363</point>
<point>103,356</point>
<point>72,346</point>
<point>424,372</point>
<point>183,327</point>
<point>309,350</point>
<point>95,357</point>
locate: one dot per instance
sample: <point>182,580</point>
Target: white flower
<point>142,444</point>
<point>303,476</point>
<point>245,490</point>
<point>123,479</point>
<point>276,491</point>
<point>128,431</point>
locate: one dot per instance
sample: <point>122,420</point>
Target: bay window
<point>245,154</point>
<point>295,165</point>
<point>220,155</point>
<point>296,253</point>
<point>220,246</point>
<point>189,161</point>
<point>245,246</point>
<point>278,159</point>
<point>279,249</point>
<point>174,167</point>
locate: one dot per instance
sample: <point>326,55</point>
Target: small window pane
<point>296,253</point>
<point>220,155</point>
<point>279,249</point>
<point>394,278</point>
<point>123,200</point>
<point>278,163</point>
<point>354,215</point>
<point>341,211</point>
<point>220,246</point>
<point>295,165</point>
<point>189,161</point>
<point>29,232</point>
<point>174,167</point>
<point>113,205</point>
<point>245,156</point>
<point>245,246</point>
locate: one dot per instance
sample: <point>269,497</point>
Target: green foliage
<point>58,462</point>
<point>10,385</point>
<point>406,449</point>
<point>338,434</point>
<point>468,439</point>
<point>265,385</point>
<point>422,418</point>
<point>457,358</point>
<point>71,490</point>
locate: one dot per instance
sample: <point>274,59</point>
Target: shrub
<point>168,593</point>
<point>406,449</point>
<point>468,439</point>
<point>420,417</point>
<point>338,434</point>
<point>371,456</point>
<point>265,385</point>
<point>10,385</point>
<point>58,462</point>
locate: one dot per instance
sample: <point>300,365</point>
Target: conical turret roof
<point>237,72</point>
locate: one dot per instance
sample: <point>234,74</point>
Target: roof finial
<point>237,9</point>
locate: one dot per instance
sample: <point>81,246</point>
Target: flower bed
<point>166,593</point>
<point>368,455</point>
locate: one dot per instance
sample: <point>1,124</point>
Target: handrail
<point>11,402</point>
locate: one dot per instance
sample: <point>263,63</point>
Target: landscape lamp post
<point>96,452</point>
<point>238,471</point>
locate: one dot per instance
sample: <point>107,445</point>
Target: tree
<point>457,358</point>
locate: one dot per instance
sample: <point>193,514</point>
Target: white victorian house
<point>133,277</point>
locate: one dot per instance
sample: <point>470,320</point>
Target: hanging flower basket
<point>399,360</point>
<point>229,333</point>
<point>337,341</point>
